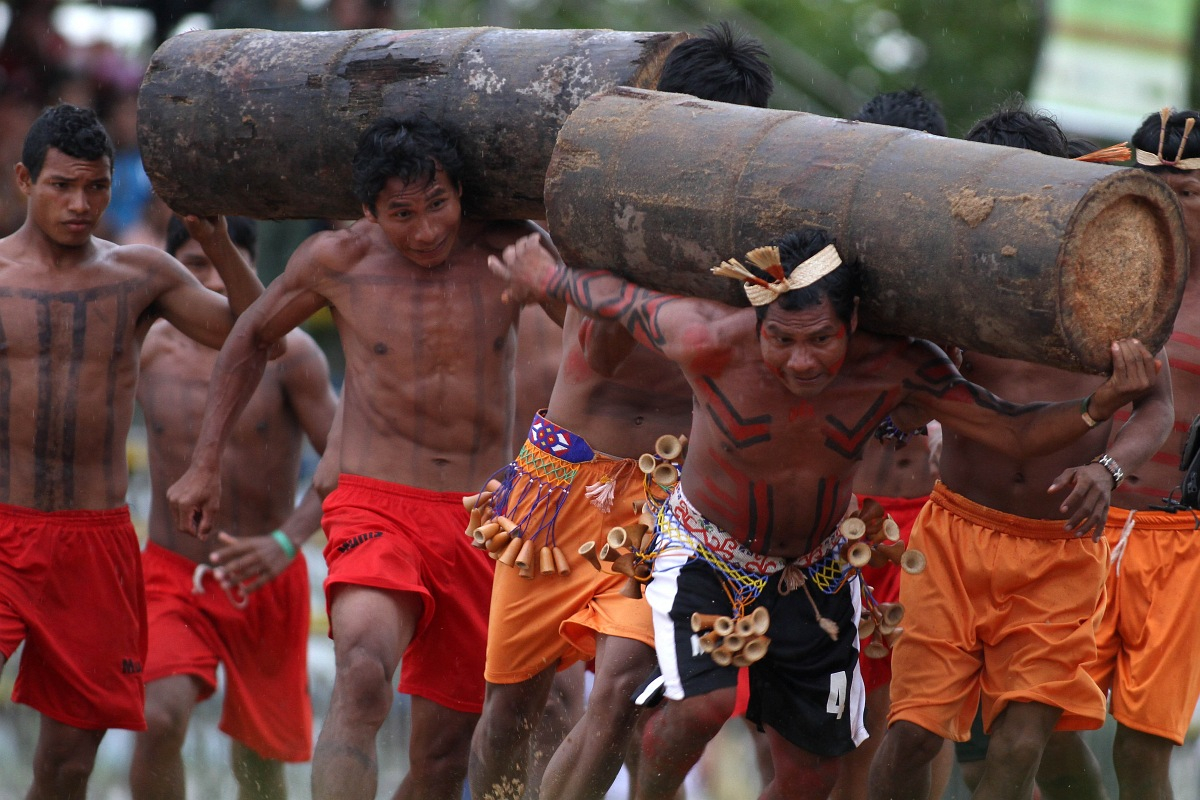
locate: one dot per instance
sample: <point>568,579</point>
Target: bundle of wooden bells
<point>623,556</point>
<point>504,540</point>
<point>872,539</point>
<point>734,642</point>
<point>881,624</point>
<point>661,469</point>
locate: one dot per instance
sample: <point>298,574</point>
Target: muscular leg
<point>564,708</point>
<point>590,757</point>
<point>258,778</point>
<point>438,751</point>
<point>901,770</point>
<point>157,772</point>
<point>500,747</point>
<point>633,751</point>
<point>371,628</point>
<point>1069,770</point>
<point>798,774</point>
<point>675,739</point>
<point>1019,736</point>
<point>1142,762</point>
<point>63,761</point>
<point>941,769</point>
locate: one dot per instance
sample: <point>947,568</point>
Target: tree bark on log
<point>264,124</point>
<point>1004,251</point>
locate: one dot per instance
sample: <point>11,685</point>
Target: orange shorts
<point>1006,611</point>
<point>263,648</point>
<point>403,539</point>
<point>71,588</point>
<point>885,583</point>
<point>536,623</point>
<point>1149,638</point>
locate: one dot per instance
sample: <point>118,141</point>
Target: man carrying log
<point>426,415</point>
<point>998,527</point>
<point>242,600</point>
<point>612,404</point>
<point>787,394</point>
<point>898,471</point>
<point>75,310</point>
<point>1149,636</point>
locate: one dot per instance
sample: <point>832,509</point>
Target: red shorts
<point>263,648</point>
<point>403,539</point>
<point>71,588</point>
<point>885,583</point>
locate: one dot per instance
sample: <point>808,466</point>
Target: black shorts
<point>807,687</point>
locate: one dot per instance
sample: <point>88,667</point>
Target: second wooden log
<point>1004,251</point>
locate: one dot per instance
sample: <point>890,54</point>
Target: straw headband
<point>762,292</point>
<point>1147,159</point>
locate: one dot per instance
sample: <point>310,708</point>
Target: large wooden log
<point>999,250</point>
<point>264,124</point>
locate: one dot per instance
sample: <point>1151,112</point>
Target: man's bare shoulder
<point>338,250</point>
<point>100,257</point>
<point>887,353</point>
<point>164,344</point>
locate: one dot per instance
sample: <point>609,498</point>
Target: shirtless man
<point>620,398</point>
<point>427,415</point>
<point>1150,635</point>
<point>75,310</point>
<point>1026,660</point>
<point>787,393</point>
<point>251,612</point>
<point>898,471</point>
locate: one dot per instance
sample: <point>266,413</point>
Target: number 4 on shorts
<point>837,694</point>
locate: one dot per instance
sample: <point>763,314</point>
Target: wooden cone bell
<point>668,447</point>
<point>588,551</point>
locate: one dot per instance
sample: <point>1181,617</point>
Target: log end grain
<point>1123,267</point>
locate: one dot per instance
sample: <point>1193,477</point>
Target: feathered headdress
<point>760,291</point>
<point>1115,154</point>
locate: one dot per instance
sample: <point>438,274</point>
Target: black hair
<point>907,108</point>
<point>1078,146</point>
<point>76,132</point>
<point>1146,137</point>
<point>410,148</point>
<point>840,286</point>
<point>719,65</point>
<point>1025,130</point>
<point>243,232</point>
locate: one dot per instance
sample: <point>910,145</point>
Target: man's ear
<point>369,214</point>
<point>24,179</point>
<point>854,317</point>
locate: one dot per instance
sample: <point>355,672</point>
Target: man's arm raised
<point>242,285</point>
<point>674,326</point>
<point>1136,441</point>
<point>199,313</point>
<point>195,497</point>
<point>1023,431</point>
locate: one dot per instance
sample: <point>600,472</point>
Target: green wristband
<point>289,549</point>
